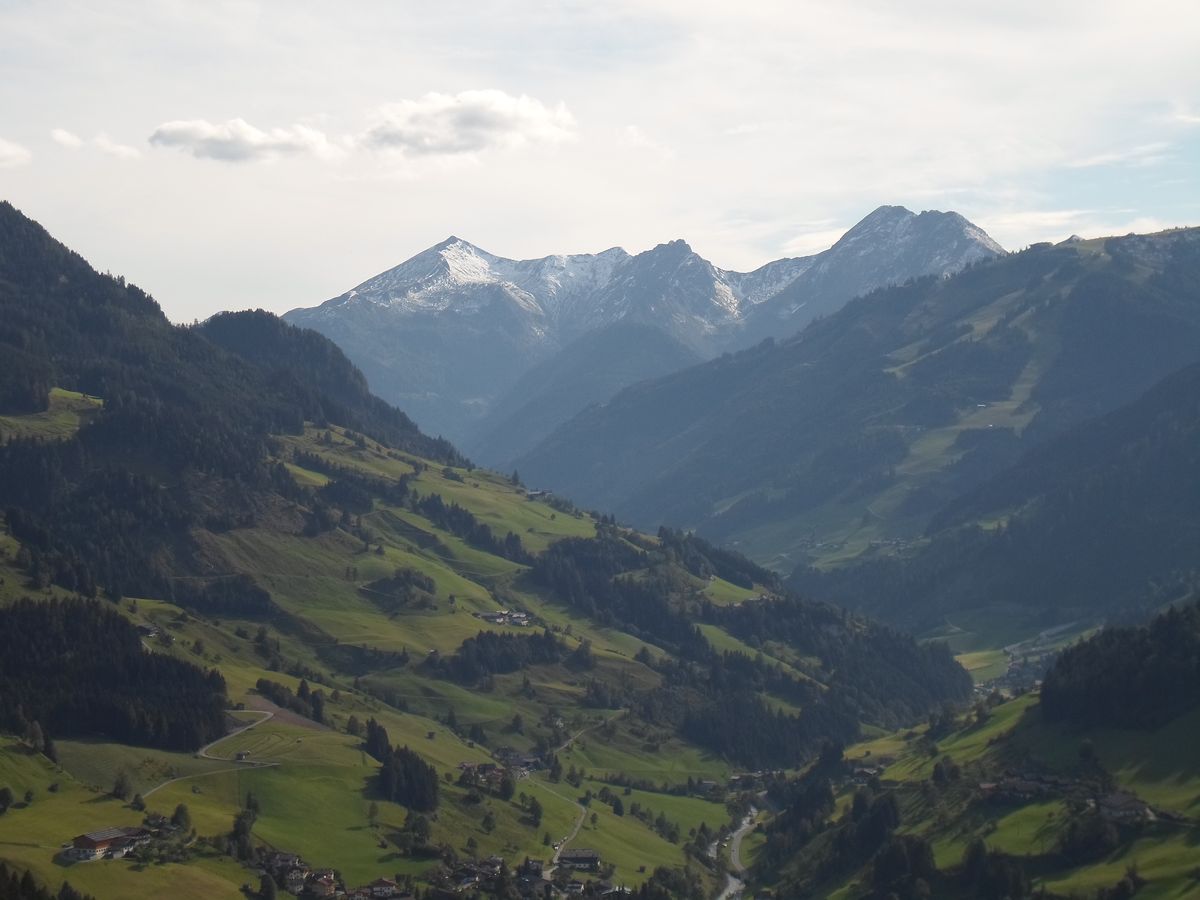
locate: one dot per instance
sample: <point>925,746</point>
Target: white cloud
<point>13,154</point>
<point>1143,155</point>
<point>811,242</point>
<point>65,138</point>
<point>236,140</point>
<point>780,115</point>
<point>101,142</point>
<point>467,122</point>
<point>1016,229</point>
<point>105,144</point>
<point>634,138</point>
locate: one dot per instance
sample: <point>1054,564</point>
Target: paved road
<point>204,753</point>
<point>735,846</point>
<point>734,885</point>
<point>570,837</point>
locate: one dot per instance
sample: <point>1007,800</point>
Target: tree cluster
<point>14,886</point>
<point>79,668</point>
<point>404,777</point>
<point>304,700</point>
<point>493,653</point>
<point>1133,677</point>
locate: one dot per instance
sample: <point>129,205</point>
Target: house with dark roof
<point>587,860</point>
<point>116,840</point>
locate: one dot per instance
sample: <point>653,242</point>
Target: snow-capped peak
<point>669,286</point>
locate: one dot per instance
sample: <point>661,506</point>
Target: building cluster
<point>299,879</point>
<point>1120,807</point>
<point>521,764</point>
<point>506,617</point>
<point>486,775</point>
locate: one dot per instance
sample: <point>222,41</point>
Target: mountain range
<point>449,334</point>
<point>851,436</point>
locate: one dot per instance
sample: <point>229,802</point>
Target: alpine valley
<point>869,574</point>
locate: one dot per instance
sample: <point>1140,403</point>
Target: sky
<point>229,155</point>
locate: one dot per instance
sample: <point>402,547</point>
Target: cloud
<point>635,138</point>
<point>238,141</point>
<point>105,144</point>
<point>65,138</point>
<point>1143,155</point>
<point>101,142</point>
<point>810,242</point>
<point>467,122</point>
<point>1015,229</point>
<point>13,154</point>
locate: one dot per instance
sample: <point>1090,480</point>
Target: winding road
<point>204,753</point>
<point>734,885</point>
<point>562,845</point>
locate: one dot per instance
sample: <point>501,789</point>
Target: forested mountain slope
<point>862,427</point>
<point>589,370</point>
<point>411,637</point>
<point>1089,788</point>
<point>1102,520</point>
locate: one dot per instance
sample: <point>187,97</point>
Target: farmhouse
<point>380,887</point>
<point>587,860</point>
<point>384,887</point>
<point>293,881</point>
<point>532,867</point>
<point>323,885</point>
<point>1124,807</point>
<point>116,841</point>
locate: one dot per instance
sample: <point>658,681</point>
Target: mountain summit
<point>446,333</point>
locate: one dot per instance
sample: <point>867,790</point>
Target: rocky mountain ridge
<point>447,332</point>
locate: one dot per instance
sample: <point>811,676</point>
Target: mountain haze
<point>860,428</point>
<point>1101,520</point>
<point>447,333</point>
<point>589,370</point>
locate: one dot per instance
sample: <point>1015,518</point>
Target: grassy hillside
<point>65,412</point>
<point>1013,744</point>
<point>418,662</point>
<point>1100,521</point>
<point>373,660</point>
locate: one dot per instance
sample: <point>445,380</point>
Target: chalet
<point>115,841</point>
<point>323,885</point>
<point>1124,807</point>
<point>466,883</point>
<point>277,862</point>
<point>384,887</point>
<point>585,860</point>
<point>532,867</point>
<point>294,880</point>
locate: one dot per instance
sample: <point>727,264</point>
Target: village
<point>290,873</point>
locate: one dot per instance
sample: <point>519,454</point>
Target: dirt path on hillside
<point>562,845</point>
<point>203,753</point>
